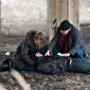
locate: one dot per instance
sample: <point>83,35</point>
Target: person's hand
<point>86,55</point>
<point>64,55</point>
<point>47,53</point>
<point>38,54</point>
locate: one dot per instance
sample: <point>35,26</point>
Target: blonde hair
<point>38,35</point>
<point>33,35</point>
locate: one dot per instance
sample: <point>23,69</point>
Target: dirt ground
<point>38,81</point>
<point>66,81</point>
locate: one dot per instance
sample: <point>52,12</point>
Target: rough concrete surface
<point>84,11</point>
<point>65,81</point>
<point>20,16</point>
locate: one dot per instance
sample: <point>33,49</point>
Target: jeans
<point>80,53</point>
<point>81,65</point>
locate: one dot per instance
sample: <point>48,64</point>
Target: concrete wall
<point>84,11</point>
<point>73,12</point>
<point>19,16</point>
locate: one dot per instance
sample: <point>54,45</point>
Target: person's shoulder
<point>57,33</point>
<point>74,29</point>
<point>23,43</point>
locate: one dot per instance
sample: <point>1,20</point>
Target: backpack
<point>6,64</point>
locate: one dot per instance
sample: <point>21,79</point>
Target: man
<point>67,42</point>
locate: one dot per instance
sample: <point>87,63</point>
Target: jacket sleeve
<point>77,41</point>
<point>25,55</point>
<point>53,41</point>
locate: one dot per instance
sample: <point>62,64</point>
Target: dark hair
<point>64,25</point>
<point>31,34</point>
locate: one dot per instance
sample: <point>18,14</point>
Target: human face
<point>38,42</point>
<point>65,32</point>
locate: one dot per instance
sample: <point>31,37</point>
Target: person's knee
<point>80,53</point>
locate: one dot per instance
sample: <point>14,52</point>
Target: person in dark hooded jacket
<point>67,42</point>
<point>25,57</point>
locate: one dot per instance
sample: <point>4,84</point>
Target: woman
<point>25,58</point>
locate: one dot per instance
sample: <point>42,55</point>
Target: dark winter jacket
<point>74,40</point>
<point>25,53</point>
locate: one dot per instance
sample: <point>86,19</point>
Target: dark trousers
<point>81,65</point>
<point>26,68</point>
<point>55,65</point>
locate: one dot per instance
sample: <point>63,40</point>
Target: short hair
<point>64,25</point>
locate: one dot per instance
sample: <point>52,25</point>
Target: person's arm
<point>38,54</point>
<point>77,41</point>
<point>47,53</point>
<point>24,54</point>
<point>53,41</point>
<point>63,55</point>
